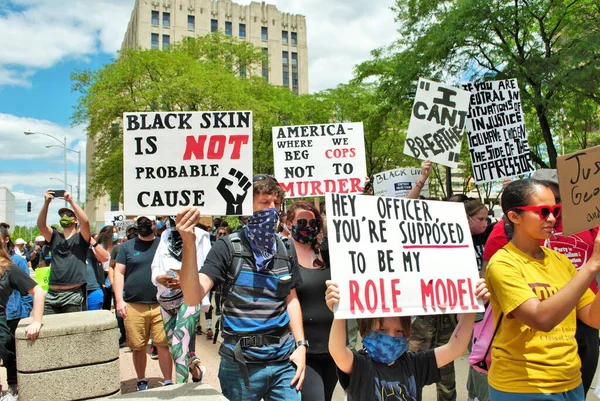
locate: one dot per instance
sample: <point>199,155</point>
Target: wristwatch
<point>301,343</point>
<point>95,245</point>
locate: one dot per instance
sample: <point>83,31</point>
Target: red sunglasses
<point>543,211</point>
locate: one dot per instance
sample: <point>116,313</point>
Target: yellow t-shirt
<point>525,360</point>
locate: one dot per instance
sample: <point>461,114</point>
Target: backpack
<point>483,336</point>
<point>238,246</point>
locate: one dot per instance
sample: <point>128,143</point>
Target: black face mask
<point>131,235</point>
<point>145,228</point>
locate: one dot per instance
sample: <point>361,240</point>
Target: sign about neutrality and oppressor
<point>398,182</point>
<point>437,123</point>
<point>313,159</point>
<point>398,257</point>
<point>579,183</point>
<point>496,131</point>
<point>177,159</point>
<point>118,220</point>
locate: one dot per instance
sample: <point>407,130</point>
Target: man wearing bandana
<point>68,274</point>
<point>264,350</point>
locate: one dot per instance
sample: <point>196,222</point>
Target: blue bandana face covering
<point>260,231</point>
<point>383,348</point>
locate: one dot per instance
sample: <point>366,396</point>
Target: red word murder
<point>318,188</point>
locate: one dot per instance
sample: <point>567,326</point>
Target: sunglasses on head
<point>302,223</point>
<point>260,177</point>
<point>543,211</point>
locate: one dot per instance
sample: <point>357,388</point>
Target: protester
<point>108,238</point>
<point>13,278</point>
<point>386,367</point>
<point>95,278</point>
<point>258,359</point>
<point>20,247</point>
<point>136,301</point>
<point>537,295</point>
<point>179,319</point>
<point>578,248</point>
<point>35,256</point>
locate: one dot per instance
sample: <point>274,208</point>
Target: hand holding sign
<point>234,191</point>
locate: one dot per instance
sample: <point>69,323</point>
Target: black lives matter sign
<point>496,131</point>
<point>437,123</point>
<point>177,159</point>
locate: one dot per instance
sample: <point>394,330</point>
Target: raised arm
<point>42,219</point>
<point>84,222</point>
<point>342,356</point>
<point>415,192</point>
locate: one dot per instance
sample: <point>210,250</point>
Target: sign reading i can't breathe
<point>400,257</point>
<point>177,159</point>
<point>398,182</point>
<point>496,131</point>
<point>437,122</point>
<point>313,159</point>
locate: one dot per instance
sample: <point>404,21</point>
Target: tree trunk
<point>546,131</point>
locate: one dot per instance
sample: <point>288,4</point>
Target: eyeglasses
<point>68,214</point>
<point>260,177</point>
<point>543,211</point>
<point>302,223</point>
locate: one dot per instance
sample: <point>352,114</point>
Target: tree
<point>551,47</point>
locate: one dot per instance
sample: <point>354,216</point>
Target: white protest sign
<point>400,257</point>
<point>313,159</point>
<point>177,159</point>
<point>437,122</point>
<point>118,220</point>
<point>398,182</point>
<point>496,131</point>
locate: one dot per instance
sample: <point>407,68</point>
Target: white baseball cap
<point>20,241</point>
<point>40,238</point>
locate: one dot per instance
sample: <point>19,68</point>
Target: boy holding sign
<point>387,367</point>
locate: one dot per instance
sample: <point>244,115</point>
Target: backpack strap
<point>483,364</point>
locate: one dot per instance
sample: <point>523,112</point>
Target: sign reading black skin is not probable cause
<point>496,134</point>
<point>177,159</point>
<point>579,184</point>
<point>400,257</point>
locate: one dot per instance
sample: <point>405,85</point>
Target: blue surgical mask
<point>115,237</point>
<point>160,224</point>
<point>384,348</point>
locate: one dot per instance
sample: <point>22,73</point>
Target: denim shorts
<point>574,395</point>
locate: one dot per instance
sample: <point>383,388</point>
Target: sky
<point>44,41</point>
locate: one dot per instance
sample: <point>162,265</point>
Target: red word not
<point>373,296</point>
<point>318,188</point>
<point>215,149</point>
<point>448,294</point>
<point>340,153</point>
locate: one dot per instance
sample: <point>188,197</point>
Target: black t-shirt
<point>137,256</point>
<point>479,243</point>
<point>68,259</point>
<point>13,279</point>
<point>402,381</point>
<point>316,316</point>
<point>115,251</point>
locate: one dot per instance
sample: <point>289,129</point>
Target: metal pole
<point>65,156</point>
<point>79,179</point>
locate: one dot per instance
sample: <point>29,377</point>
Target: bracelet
<point>419,184</point>
<point>95,245</point>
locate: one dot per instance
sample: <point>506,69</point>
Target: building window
<point>285,58</point>
<point>286,79</point>
<point>166,20</point>
<point>295,72</point>
<point>265,64</point>
<point>166,41</point>
<point>154,41</point>
<point>191,22</point>
<point>284,37</point>
<point>294,60</point>
<point>154,19</point>
<point>228,28</point>
<point>264,33</point>
<point>114,207</point>
<point>214,25</point>
<point>242,30</point>
<point>294,39</point>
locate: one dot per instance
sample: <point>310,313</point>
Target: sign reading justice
<point>177,159</point>
<point>400,257</point>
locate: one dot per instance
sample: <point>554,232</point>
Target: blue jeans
<point>270,381</point>
<point>574,395</point>
<point>95,299</point>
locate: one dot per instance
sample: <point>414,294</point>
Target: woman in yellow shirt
<point>536,296</point>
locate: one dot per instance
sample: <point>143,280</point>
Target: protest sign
<point>398,182</point>
<point>313,159</point>
<point>177,159</point>
<point>579,184</point>
<point>496,131</point>
<point>400,257</point>
<point>437,122</point>
<point>118,220</point>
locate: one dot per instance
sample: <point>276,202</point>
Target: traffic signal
<point>28,206</point>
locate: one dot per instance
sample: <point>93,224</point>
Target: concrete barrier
<point>76,357</point>
<point>177,392</point>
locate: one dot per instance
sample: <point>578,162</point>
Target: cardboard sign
<point>579,183</point>
<point>313,159</point>
<point>399,257</point>
<point>436,126</point>
<point>496,131</point>
<point>118,220</point>
<point>177,159</point>
<point>398,182</point>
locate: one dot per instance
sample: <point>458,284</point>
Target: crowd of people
<point>268,284</point>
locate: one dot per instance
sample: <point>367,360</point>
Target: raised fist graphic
<point>234,190</point>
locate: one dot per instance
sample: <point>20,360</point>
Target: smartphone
<point>58,193</point>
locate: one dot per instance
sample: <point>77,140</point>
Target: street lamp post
<point>66,183</point>
<point>63,143</point>
<point>78,169</point>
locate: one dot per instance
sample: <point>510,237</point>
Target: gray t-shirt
<point>137,256</point>
<point>68,263</point>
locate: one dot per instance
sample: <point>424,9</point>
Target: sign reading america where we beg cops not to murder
<point>177,159</point>
<point>496,131</point>
<point>437,123</point>
<point>311,160</point>
<point>400,257</point>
